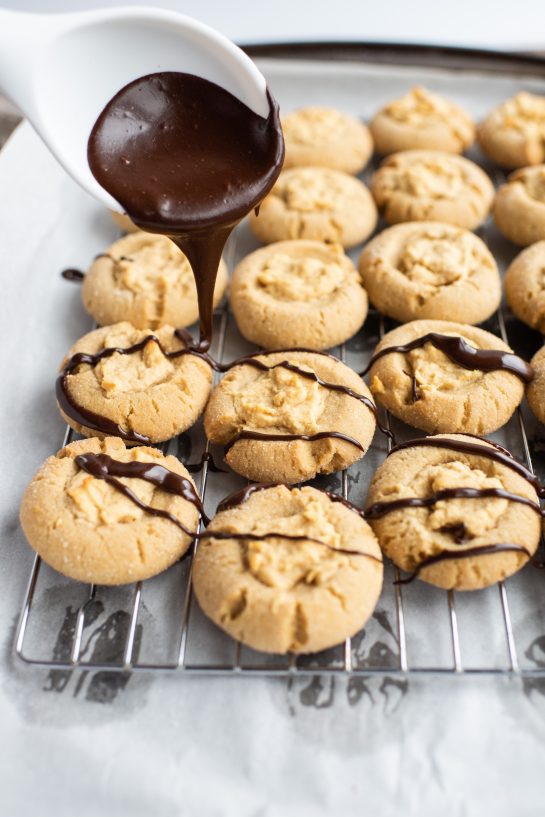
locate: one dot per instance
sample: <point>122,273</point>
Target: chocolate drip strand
<point>195,467</point>
<point>380,509</point>
<point>464,354</point>
<point>259,537</point>
<point>266,437</point>
<point>496,453</point>
<point>102,466</point>
<point>73,274</point>
<point>239,497</point>
<point>465,553</point>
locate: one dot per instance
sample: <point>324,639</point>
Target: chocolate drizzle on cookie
<point>195,467</point>
<point>465,553</point>
<point>288,537</point>
<point>102,466</point>
<point>267,437</point>
<point>240,497</point>
<point>458,531</point>
<point>97,422</point>
<point>187,159</point>
<point>464,354</point>
<point>380,509</point>
<point>495,452</point>
<point>91,419</point>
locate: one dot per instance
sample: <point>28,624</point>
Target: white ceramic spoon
<point>62,69</point>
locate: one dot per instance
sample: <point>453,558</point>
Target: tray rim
<point>401,53</point>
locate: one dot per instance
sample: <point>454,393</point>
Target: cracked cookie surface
<point>409,536</point>
<point>280,401</point>
<point>298,293</point>
<point>428,185</point>
<point>143,392</point>
<point>316,203</point>
<point>88,530</point>
<point>427,390</point>
<point>145,279</point>
<point>325,137</point>
<point>422,120</point>
<point>278,595</point>
<point>519,206</point>
<point>525,286</point>
<point>430,270</point>
<point>513,134</point>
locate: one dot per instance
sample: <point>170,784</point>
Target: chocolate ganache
<point>187,159</point>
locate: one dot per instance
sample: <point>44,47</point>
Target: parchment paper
<point>89,743</point>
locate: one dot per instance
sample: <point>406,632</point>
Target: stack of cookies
<point>283,566</point>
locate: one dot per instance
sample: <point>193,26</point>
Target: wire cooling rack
<point>346,659</point>
<point>416,629</point>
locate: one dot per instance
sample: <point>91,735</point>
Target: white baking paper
<point>90,743</point>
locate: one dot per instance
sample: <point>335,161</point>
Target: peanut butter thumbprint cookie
<point>288,569</point>
<point>456,511</point>
<point>103,513</point>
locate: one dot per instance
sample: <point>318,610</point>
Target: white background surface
<point>473,22</point>
<point>199,747</point>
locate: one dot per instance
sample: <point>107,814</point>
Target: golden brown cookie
<point>89,529</point>
<point>143,395</point>
<point>536,389</point>
<point>519,206</point>
<point>298,293</point>
<point>422,120</point>
<point>281,594</point>
<point>425,269</point>
<point>525,286</point>
<point>124,222</point>
<point>513,134</point>
<point>316,203</point>
<point>250,404</point>
<point>452,542</point>
<point>431,390</point>
<point>145,279</point>
<point>325,137</point>
<point>430,185</point>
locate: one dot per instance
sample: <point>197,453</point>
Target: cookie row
<point>420,269</point>
<point>287,569</point>
<point>308,293</point>
<point>413,185</point>
<point>512,134</point>
<point>286,416</point>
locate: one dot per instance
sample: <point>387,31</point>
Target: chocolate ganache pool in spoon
<point>187,159</point>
